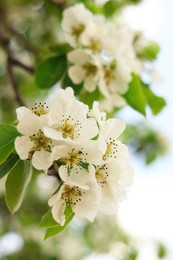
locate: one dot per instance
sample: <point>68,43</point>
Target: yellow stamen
<point>67,130</point>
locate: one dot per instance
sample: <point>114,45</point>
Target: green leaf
<point>52,231</point>
<point>135,96</point>
<point>155,102</point>
<point>47,221</point>
<point>16,184</point>
<point>84,165</point>
<point>60,48</point>
<point>50,71</point>
<point>150,52</point>
<point>8,134</point>
<point>9,164</point>
<point>88,98</point>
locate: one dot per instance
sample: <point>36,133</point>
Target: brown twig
<point>11,62</point>
<point>54,173</point>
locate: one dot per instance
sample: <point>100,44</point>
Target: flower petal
<point>42,160</point>
<point>76,73</point>
<point>22,112</point>
<point>112,128</point>
<point>58,211</point>
<point>77,176</point>
<point>30,124</point>
<point>23,146</point>
<point>78,56</point>
<point>90,84</point>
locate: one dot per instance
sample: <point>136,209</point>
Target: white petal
<point>42,160</point>
<point>23,146</point>
<point>76,73</point>
<point>87,207</point>
<point>52,133</point>
<point>77,176</point>
<point>60,151</point>
<point>112,128</point>
<point>29,125</point>
<point>55,114</point>
<point>22,112</point>
<point>89,129</point>
<point>90,84</point>
<point>78,56</point>
<point>58,211</point>
<point>56,197</point>
<point>126,178</point>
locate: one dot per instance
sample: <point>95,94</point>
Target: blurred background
<point>142,229</point>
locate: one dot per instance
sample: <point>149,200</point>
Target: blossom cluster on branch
<point>104,54</point>
<point>82,146</point>
<point>68,136</point>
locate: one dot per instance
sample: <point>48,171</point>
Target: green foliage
<point>150,52</point>
<point>8,134</point>
<point>8,165</point>
<point>135,96</point>
<point>145,142</point>
<point>88,98</point>
<point>84,165</point>
<point>155,102</point>
<point>50,71</point>
<point>161,251</point>
<point>47,221</point>
<point>52,229</point>
<point>16,184</point>
<point>140,95</point>
<point>110,7</point>
<point>60,48</point>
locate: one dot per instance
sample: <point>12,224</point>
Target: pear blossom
<point>93,38</point>
<point>76,162</point>
<point>74,22</point>
<point>33,144</point>
<point>70,123</point>
<point>83,202</point>
<point>115,77</point>
<point>112,178</point>
<point>85,68</point>
<point>83,148</point>
<point>112,101</point>
<point>111,129</point>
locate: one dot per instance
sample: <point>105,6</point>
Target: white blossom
<point>33,144</point>
<point>70,123</point>
<point>76,162</point>
<point>74,22</point>
<point>84,202</point>
<point>113,178</point>
<point>85,68</point>
<point>115,77</point>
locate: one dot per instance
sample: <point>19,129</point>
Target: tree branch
<point>11,62</point>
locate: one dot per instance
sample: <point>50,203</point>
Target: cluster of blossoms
<point>83,148</point>
<point>103,54</point>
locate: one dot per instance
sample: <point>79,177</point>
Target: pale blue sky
<point>148,211</point>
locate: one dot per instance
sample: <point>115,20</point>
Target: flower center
<point>40,142</point>
<point>111,151</point>
<point>90,69</point>
<point>71,159</point>
<point>76,31</point>
<point>67,130</point>
<point>94,45</point>
<point>71,194</point>
<point>101,174</point>
<point>109,72</point>
<point>41,109</point>
<point>108,150</point>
